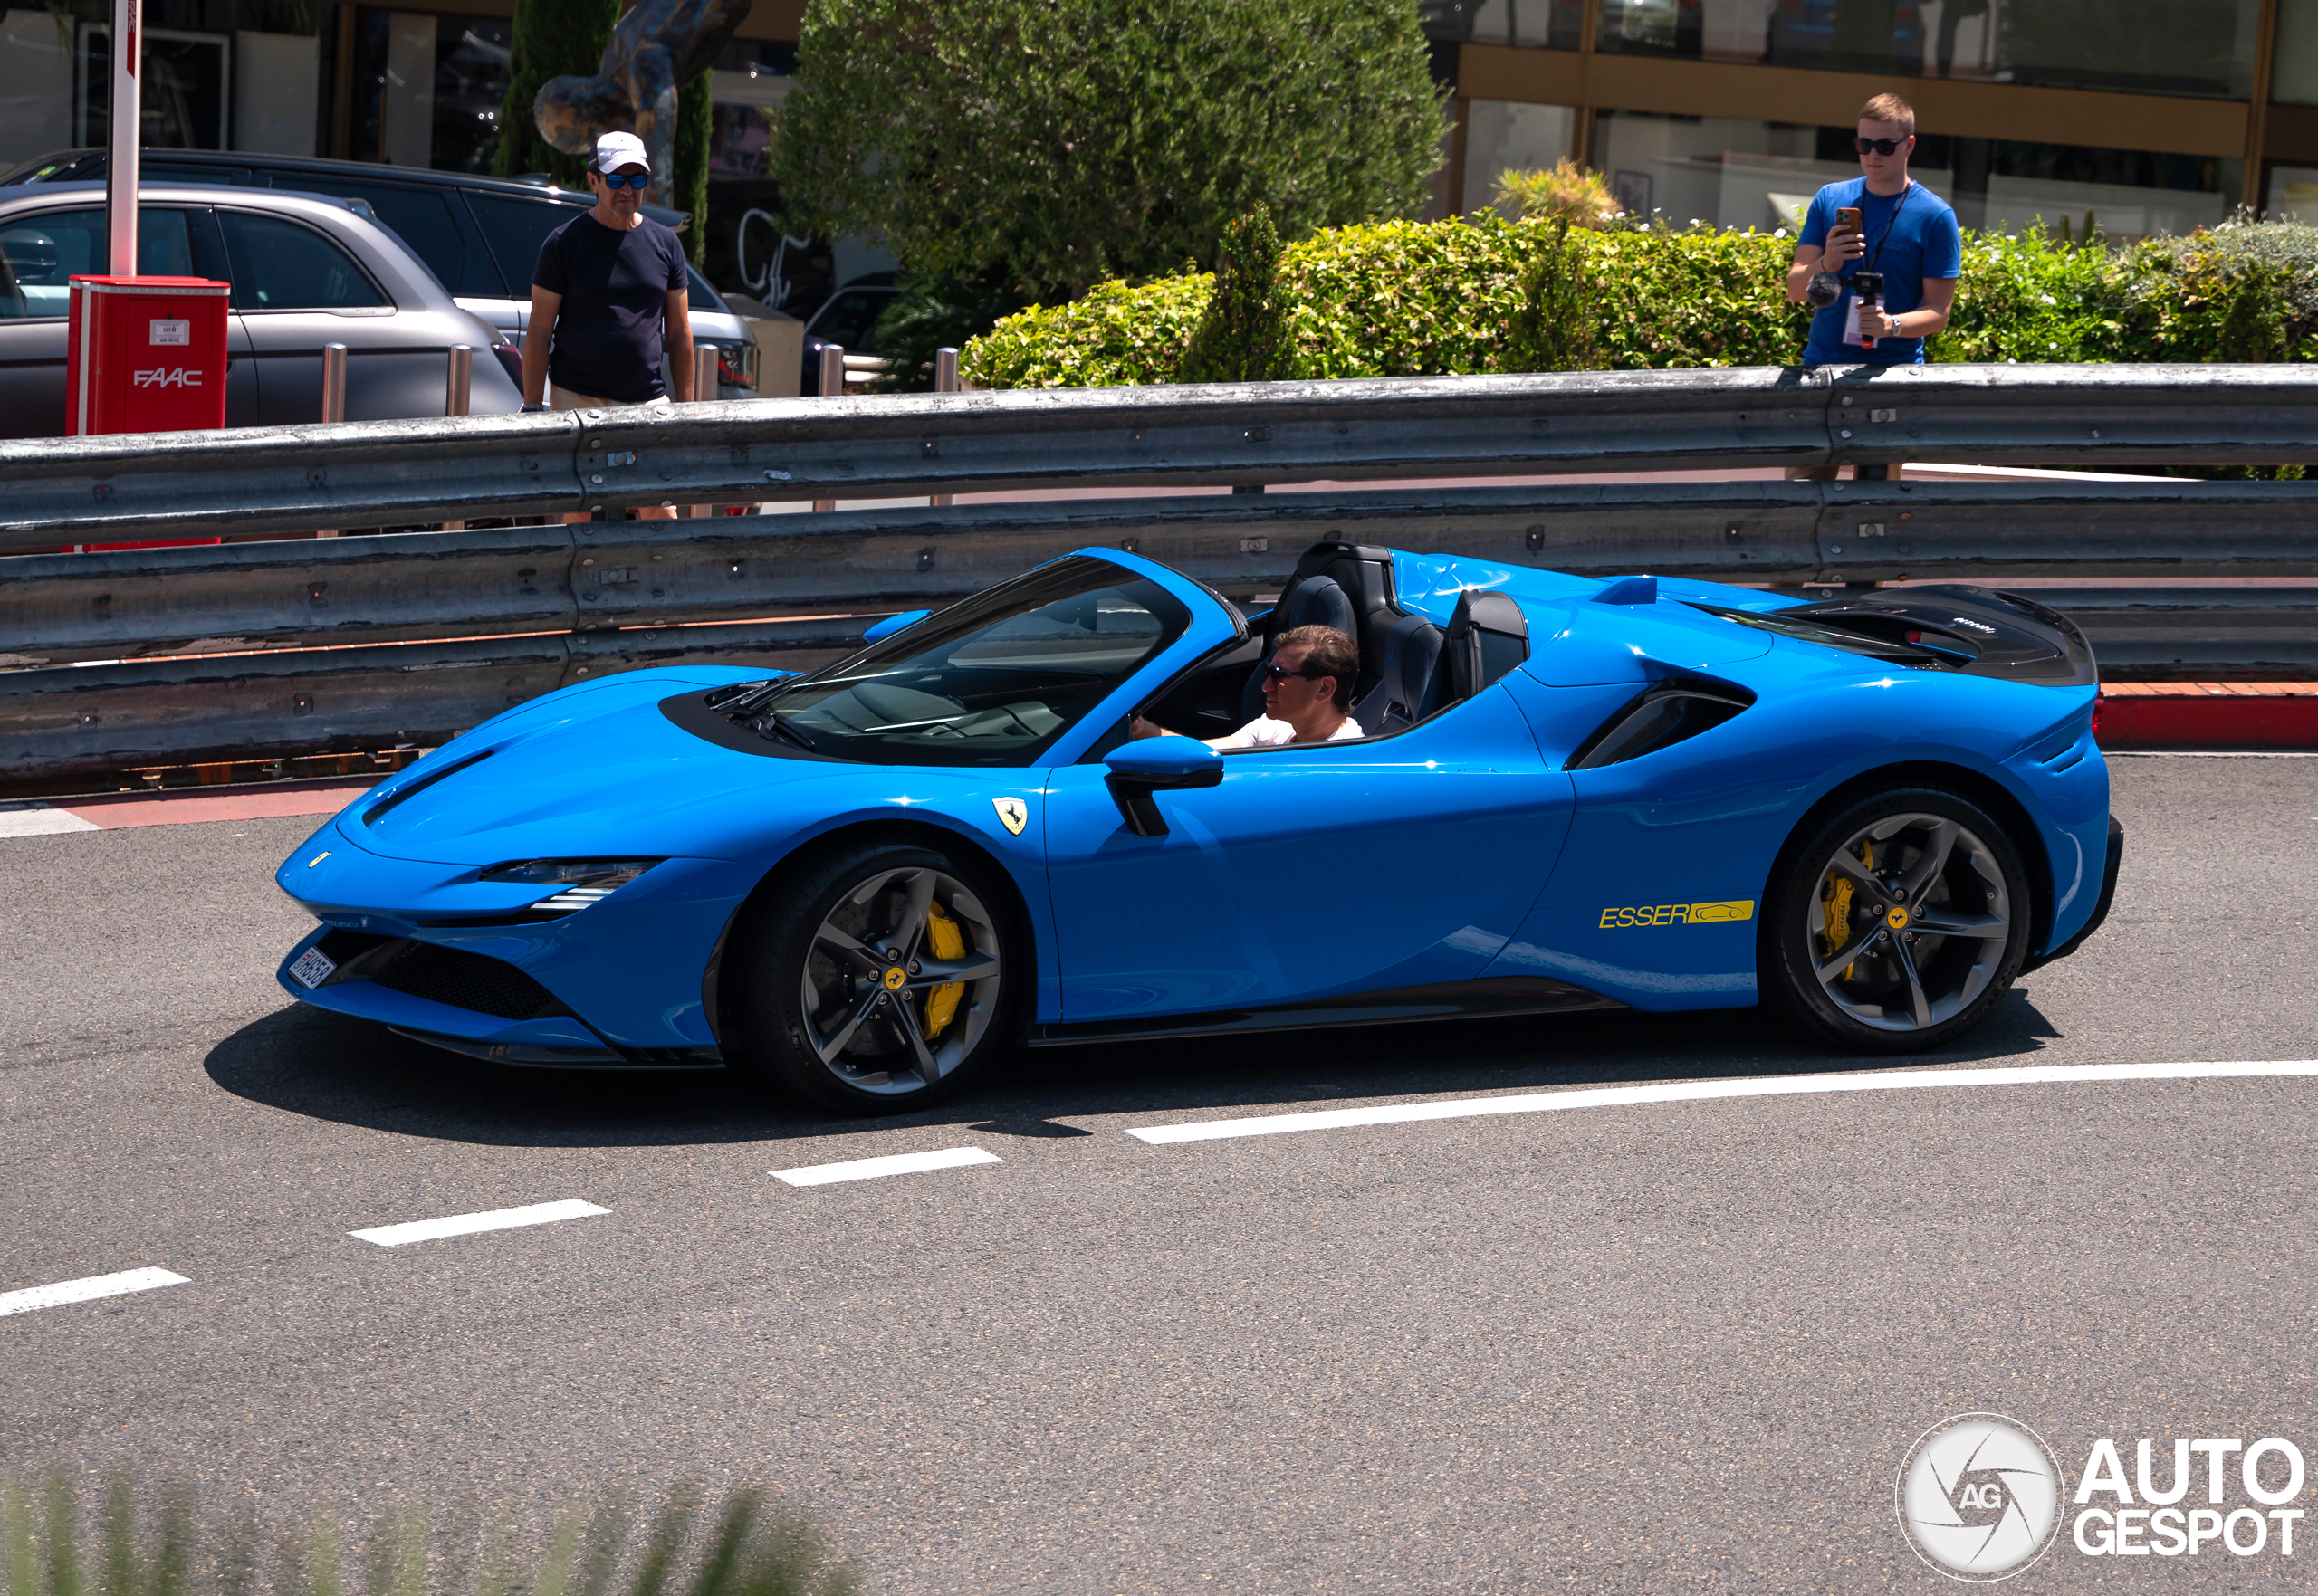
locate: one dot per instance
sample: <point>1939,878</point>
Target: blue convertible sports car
<point>863,882</point>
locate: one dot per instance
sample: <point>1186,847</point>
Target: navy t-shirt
<point>1924,241</point>
<point>615,288</point>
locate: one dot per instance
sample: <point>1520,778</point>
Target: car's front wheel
<point>1899,923</point>
<point>878,980</point>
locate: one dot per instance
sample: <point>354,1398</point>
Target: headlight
<point>583,881</point>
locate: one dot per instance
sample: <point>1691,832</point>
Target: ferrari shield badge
<point>1012,813</point>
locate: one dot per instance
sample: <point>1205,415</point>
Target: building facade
<point>2150,115</point>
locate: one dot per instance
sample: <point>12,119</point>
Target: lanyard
<point>1886,238</point>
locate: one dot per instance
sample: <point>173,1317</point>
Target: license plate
<point>313,968</point>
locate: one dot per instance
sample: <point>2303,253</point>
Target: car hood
<point>590,771</point>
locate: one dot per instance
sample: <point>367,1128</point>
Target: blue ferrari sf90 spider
<point>863,882</point>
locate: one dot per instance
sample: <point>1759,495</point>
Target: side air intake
<point>1658,717</point>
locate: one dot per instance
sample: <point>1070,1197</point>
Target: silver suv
<point>306,271</point>
<point>480,235</point>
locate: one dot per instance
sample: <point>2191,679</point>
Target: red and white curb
<point>129,810</point>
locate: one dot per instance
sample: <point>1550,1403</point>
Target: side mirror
<point>893,623</point>
<point>1157,764</point>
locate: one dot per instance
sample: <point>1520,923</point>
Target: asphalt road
<point>1652,1346</point>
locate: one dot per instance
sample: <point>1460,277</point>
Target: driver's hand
<point>1139,728</point>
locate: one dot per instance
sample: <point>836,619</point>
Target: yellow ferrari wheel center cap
<point>1897,919</point>
<point>894,978</point>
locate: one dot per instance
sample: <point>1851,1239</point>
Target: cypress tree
<point>549,38</point>
<point>688,190</point>
<point>1243,337</point>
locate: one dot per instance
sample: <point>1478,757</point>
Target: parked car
<point>847,318</point>
<point>306,271</point>
<point>480,235</point>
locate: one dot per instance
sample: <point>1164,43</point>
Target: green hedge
<point>1428,299</point>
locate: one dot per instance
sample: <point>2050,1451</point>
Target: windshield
<point>993,681</point>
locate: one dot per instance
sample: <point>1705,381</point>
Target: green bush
<point>746,1551</point>
<point>1483,294</point>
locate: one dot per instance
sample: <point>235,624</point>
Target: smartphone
<point>1847,216</point>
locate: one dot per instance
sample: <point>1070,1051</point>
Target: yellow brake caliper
<point>943,940</point>
<point>1836,894</point>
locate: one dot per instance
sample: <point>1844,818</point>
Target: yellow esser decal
<point>1678,915</point>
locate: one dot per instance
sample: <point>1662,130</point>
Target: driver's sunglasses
<point>1282,674</point>
<point>625,180</point>
<point>1880,146</point>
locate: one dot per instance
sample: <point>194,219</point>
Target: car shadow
<point>331,1066</point>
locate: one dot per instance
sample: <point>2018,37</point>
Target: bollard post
<point>945,381</point>
<point>458,396</point>
<point>459,381</point>
<point>832,388</point>
<point>333,382</point>
<point>333,393</point>
<point>705,386</point>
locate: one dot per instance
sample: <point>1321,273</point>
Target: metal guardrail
<point>63,491</point>
<point>411,638</point>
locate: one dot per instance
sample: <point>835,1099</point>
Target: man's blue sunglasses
<point>625,180</point>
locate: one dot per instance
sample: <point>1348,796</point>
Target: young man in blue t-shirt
<point>1906,231</point>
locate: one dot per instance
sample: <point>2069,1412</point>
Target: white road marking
<point>505,1219</point>
<point>900,1164</point>
<point>86,1291</point>
<point>1332,1119</point>
<point>41,822</point>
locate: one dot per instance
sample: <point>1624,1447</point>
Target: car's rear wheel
<point>878,980</point>
<point>1899,923</point>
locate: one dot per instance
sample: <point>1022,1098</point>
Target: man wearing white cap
<point>609,294</point>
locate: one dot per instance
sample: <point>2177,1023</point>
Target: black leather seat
<point>1413,684</point>
<point>1316,601</point>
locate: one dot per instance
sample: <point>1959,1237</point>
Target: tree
<point>1052,144</point>
<point>550,39</point>
<point>1243,337</point>
<point>688,188</point>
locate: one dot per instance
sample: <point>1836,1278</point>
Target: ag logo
<point>1012,813</point>
<point>1979,1496</point>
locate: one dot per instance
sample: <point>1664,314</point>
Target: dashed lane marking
<point>871,1169</point>
<point>86,1291</point>
<point>505,1219</point>
<point>1335,1119</point>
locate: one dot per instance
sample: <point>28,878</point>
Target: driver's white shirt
<point>1263,732</point>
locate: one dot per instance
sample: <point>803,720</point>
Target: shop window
<point>1502,135</point>
<point>183,102</point>
<point>1762,175</point>
<point>2193,47</point>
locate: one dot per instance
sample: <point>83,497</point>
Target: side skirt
<point>1495,998</point>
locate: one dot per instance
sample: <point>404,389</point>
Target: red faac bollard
<point>146,354</point>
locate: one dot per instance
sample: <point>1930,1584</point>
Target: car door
<point>298,289</point>
<point>41,250</point>
<point>1308,872</point>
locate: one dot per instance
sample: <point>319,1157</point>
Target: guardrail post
<point>945,381</point>
<point>832,388</point>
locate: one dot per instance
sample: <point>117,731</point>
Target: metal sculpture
<point>657,47</point>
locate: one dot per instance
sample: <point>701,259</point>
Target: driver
<point>1308,695</point>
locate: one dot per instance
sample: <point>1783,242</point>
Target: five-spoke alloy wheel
<point>1899,923</point>
<point>875,982</point>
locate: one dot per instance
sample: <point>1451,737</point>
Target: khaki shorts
<point>563,398</point>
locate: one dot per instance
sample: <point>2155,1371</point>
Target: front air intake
<point>411,790</point>
<point>460,980</point>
